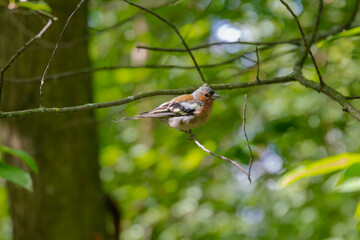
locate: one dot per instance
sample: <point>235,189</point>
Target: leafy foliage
<point>166,187</point>
<point>15,174</point>
<point>170,189</point>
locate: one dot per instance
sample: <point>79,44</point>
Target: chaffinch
<point>184,112</point>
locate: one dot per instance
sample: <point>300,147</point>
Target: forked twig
<point>20,50</point>
<point>192,137</point>
<point>177,32</point>
<point>55,48</point>
<point>246,137</point>
<point>304,39</point>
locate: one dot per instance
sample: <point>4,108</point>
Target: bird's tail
<point>148,115</point>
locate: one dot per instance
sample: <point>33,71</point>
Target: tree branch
<point>304,39</point>
<point>257,65</point>
<point>155,66</point>
<point>192,137</point>
<point>293,41</point>
<point>20,50</point>
<point>177,32</point>
<point>317,23</point>
<point>53,53</point>
<point>332,93</point>
<point>46,14</point>
<point>353,15</point>
<point>352,97</point>
<point>246,137</point>
<point>92,106</point>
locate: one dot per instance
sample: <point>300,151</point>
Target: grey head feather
<point>196,93</point>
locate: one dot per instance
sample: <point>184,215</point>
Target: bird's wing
<point>179,106</point>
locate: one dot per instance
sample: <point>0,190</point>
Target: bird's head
<point>205,95</point>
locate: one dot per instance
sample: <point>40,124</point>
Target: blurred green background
<point>165,186</point>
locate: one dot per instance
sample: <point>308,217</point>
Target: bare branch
<point>332,93</point>
<point>177,32</point>
<point>353,15</point>
<point>155,66</point>
<point>46,14</point>
<point>192,137</point>
<point>20,50</point>
<point>53,53</point>
<point>293,41</point>
<point>317,23</point>
<point>258,65</point>
<point>87,36</point>
<point>91,106</point>
<point>246,137</point>
<point>304,39</point>
<point>352,97</point>
<point>303,54</point>
<point>295,76</point>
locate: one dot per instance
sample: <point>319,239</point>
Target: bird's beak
<point>215,96</point>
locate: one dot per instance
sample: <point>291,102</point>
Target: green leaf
<point>349,185</point>
<point>320,167</point>
<point>357,212</point>
<point>349,33</point>
<point>36,6</point>
<point>352,171</point>
<point>27,159</point>
<point>16,175</point>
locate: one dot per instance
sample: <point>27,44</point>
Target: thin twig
<point>293,41</point>
<point>192,136</point>
<point>155,66</point>
<point>317,23</point>
<point>331,92</point>
<point>92,106</point>
<point>352,16</point>
<point>177,32</point>
<point>352,97</point>
<point>304,39</point>
<point>53,53</point>
<point>91,70</point>
<point>246,137</point>
<point>303,54</point>
<point>87,36</point>
<point>46,14</point>
<point>20,50</point>
<point>257,64</point>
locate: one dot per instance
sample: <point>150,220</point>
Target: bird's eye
<point>207,95</point>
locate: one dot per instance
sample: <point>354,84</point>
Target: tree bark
<point>67,201</point>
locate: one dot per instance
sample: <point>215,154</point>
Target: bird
<point>184,112</point>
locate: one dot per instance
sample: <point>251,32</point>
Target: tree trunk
<point>67,201</point>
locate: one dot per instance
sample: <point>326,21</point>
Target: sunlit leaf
<point>320,167</point>
<point>36,6</point>
<point>357,212</point>
<point>16,175</point>
<point>349,33</point>
<point>27,159</point>
<point>349,185</point>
